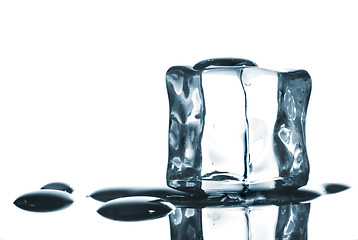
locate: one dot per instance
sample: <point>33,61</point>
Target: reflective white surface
<point>83,100</point>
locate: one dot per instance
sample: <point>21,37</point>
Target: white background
<point>83,97</point>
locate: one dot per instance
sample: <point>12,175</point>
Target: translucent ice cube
<point>235,126</point>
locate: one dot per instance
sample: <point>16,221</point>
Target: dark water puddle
<point>132,205</point>
<point>135,204</point>
<point>135,208</point>
<point>105,195</point>
<point>250,198</point>
<point>58,186</point>
<point>184,199</point>
<point>44,201</point>
<point>331,188</point>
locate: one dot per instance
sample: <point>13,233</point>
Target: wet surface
<point>145,204</point>
<point>54,196</point>
<point>279,213</point>
<point>183,199</point>
<point>251,198</point>
<point>44,201</point>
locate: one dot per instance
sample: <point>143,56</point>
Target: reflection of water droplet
<point>332,188</point>
<point>44,201</point>
<point>58,186</point>
<point>135,208</point>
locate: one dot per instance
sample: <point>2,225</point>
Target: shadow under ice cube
<point>234,126</point>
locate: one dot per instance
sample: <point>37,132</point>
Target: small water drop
<point>135,208</point>
<point>58,186</point>
<point>331,188</point>
<point>44,201</point>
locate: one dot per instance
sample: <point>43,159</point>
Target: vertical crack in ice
<point>247,162</point>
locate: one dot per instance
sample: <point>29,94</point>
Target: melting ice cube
<point>235,126</point>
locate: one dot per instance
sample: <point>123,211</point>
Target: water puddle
<point>135,208</point>
<point>136,204</point>
<point>183,199</point>
<point>44,201</point>
<point>105,195</point>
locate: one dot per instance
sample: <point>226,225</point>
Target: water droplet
<point>44,201</point>
<point>106,195</point>
<point>135,208</point>
<point>58,186</point>
<point>331,188</point>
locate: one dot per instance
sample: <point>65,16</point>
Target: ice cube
<point>234,126</point>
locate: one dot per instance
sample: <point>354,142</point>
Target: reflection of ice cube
<point>292,221</point>
<point>257,222</point>
<point>234,125</point>
<point>185,224</point>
